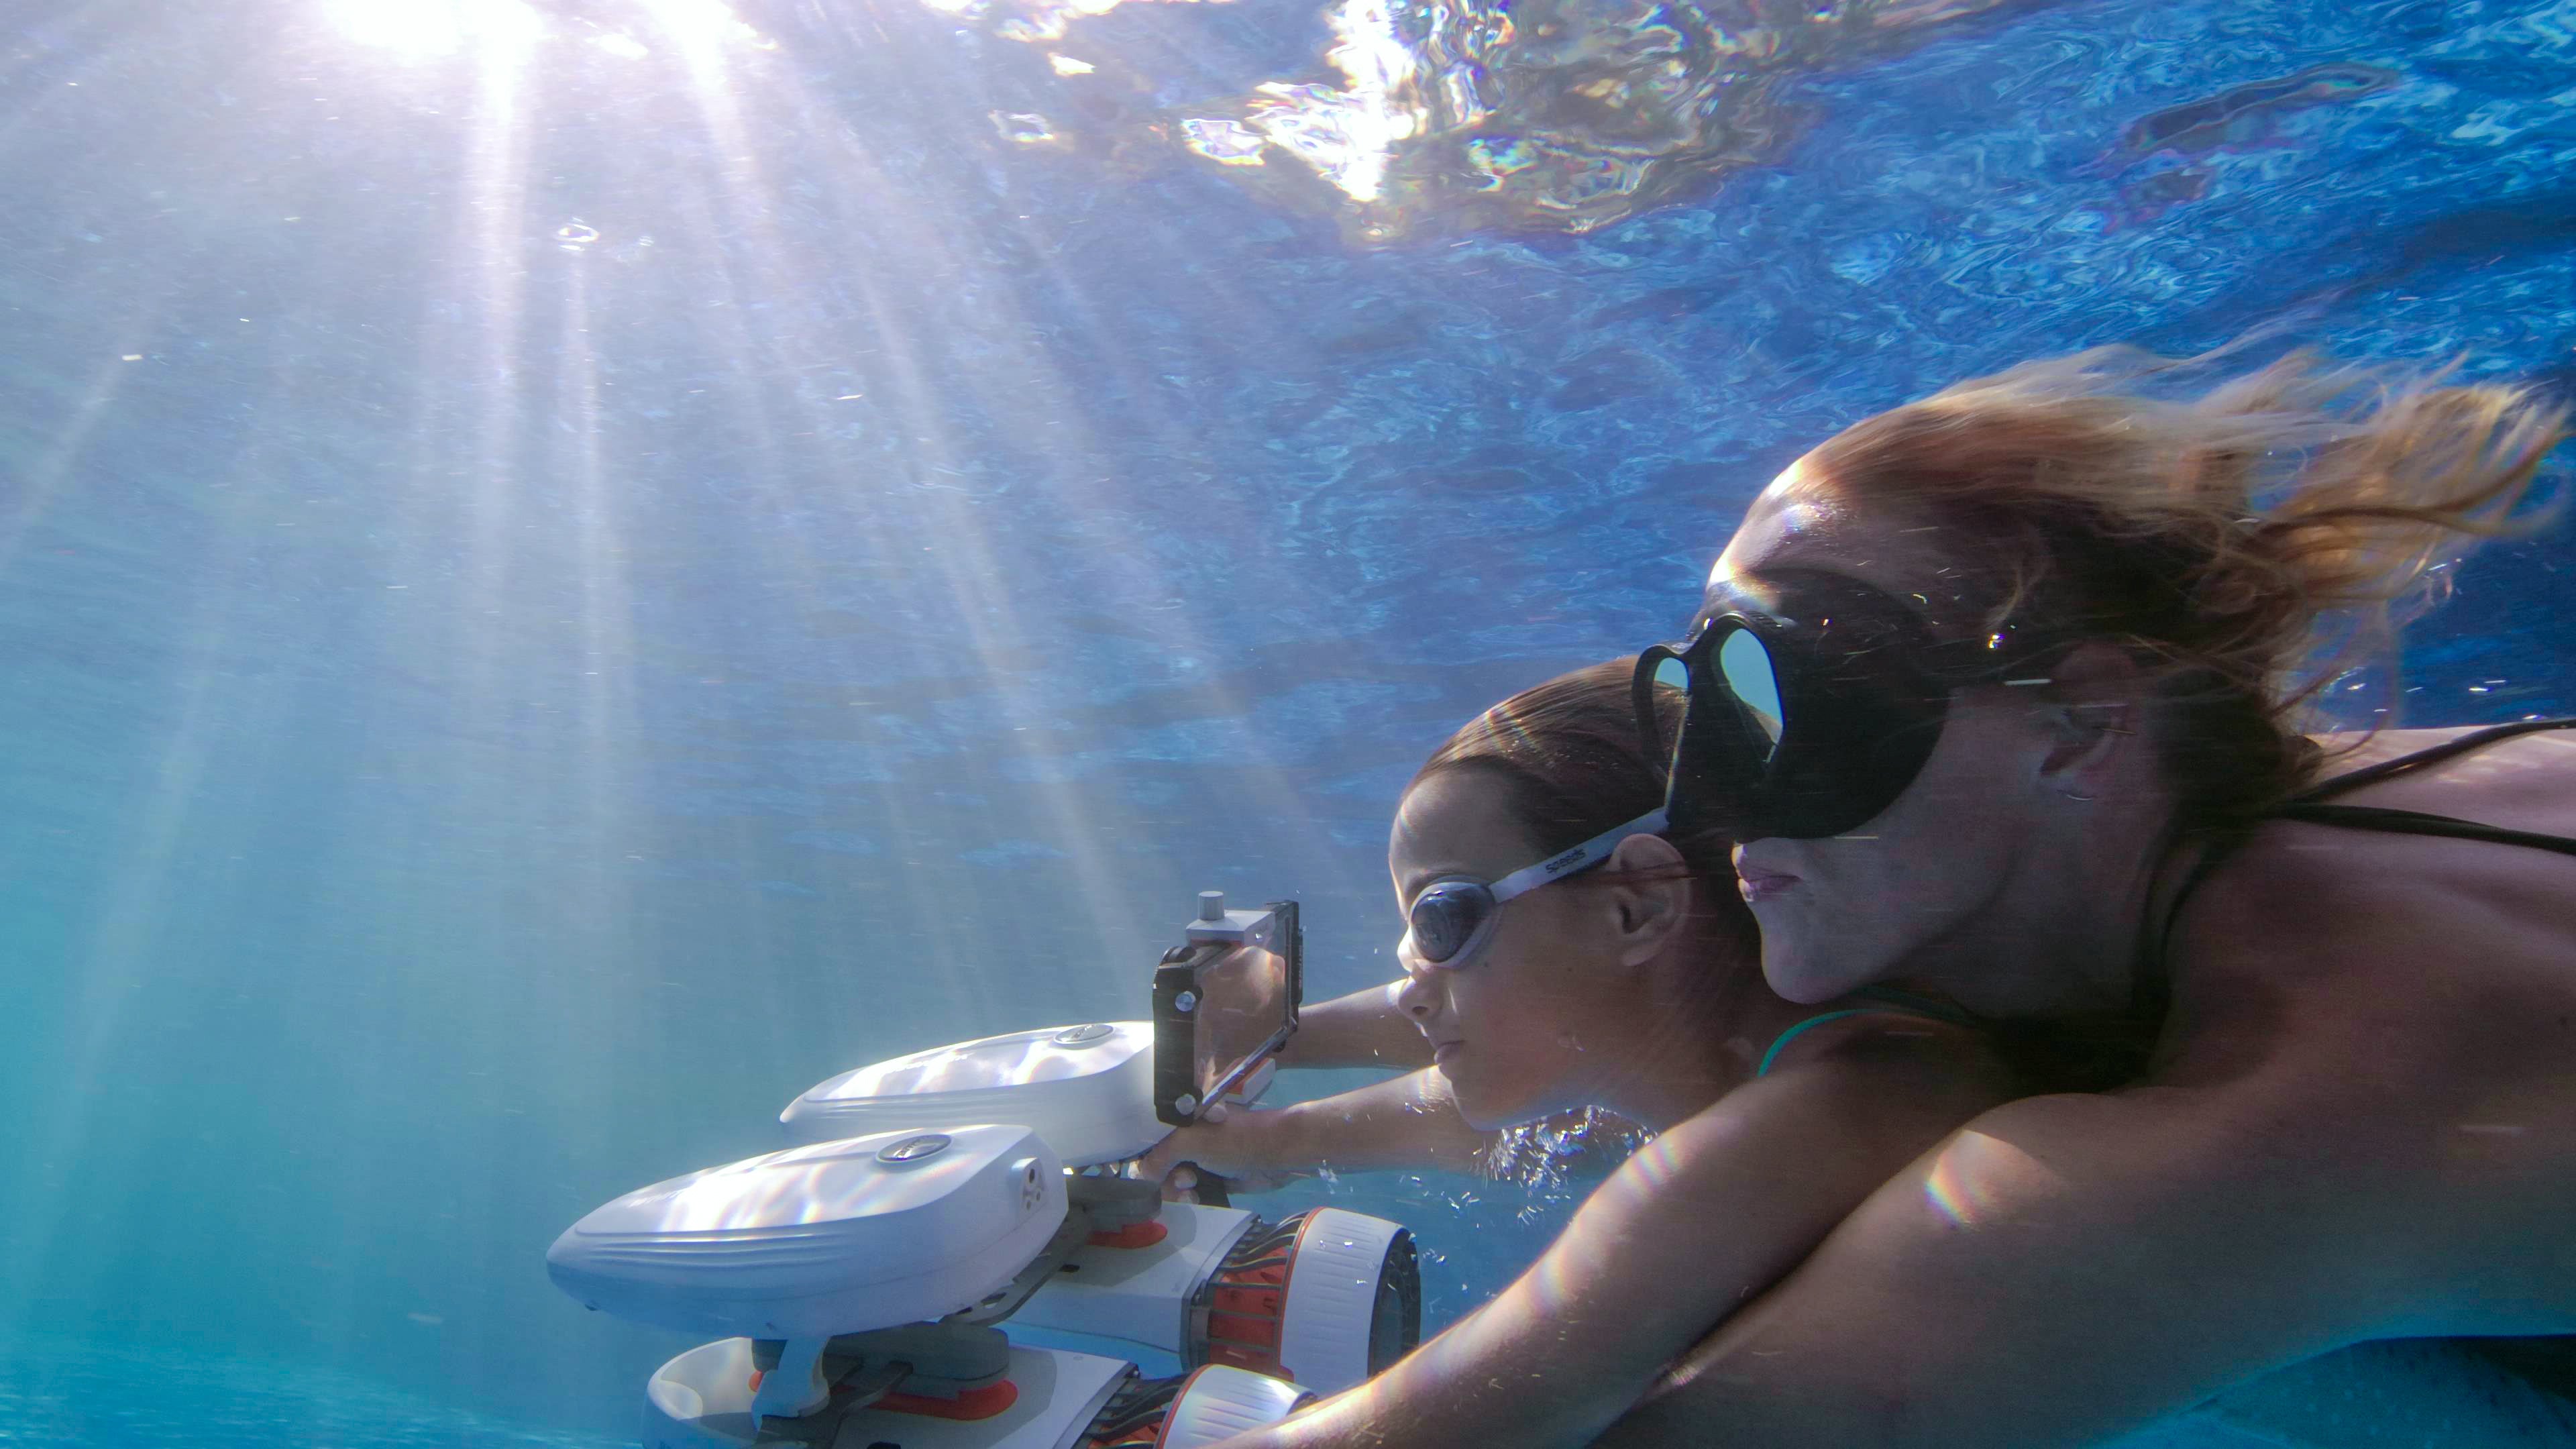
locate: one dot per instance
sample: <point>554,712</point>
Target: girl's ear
<point>1650,893</point>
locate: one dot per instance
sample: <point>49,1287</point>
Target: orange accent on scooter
<point>1134,1235</point>
<point>968,1406</point>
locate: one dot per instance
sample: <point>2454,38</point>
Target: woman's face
<point>1841,912</point>
<point>1514,1023</point>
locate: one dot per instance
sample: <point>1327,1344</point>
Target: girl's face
<point>1514,1024</point>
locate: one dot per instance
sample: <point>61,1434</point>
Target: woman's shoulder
<point>2540,758</point>
<point>2351,749</point>
<point>2316,941</point>
<point>2516,794</point>
<point>2339,898</point>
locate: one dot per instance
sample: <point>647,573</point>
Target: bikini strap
<point>2309,806</point>
<point>2417,822</point>
<point>2150,988</point>
<point>2373,774</point>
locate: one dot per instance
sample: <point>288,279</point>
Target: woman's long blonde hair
<point>2254,540</point>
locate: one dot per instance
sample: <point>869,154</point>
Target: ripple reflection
<point>1499,115</point>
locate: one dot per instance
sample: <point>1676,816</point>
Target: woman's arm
<point>2069,1267</point>
<point>1700,1220</point>
<point>1363,1029</point>
<point>2062,1270</point>
<point>1404,1122</point>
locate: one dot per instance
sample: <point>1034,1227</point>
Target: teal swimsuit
<point>1881,999</point>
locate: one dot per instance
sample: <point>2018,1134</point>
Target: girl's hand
<point>1237,1144</point>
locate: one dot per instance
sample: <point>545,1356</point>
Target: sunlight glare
<point>1347,135</point>
<point>698,28</point>
<point>1979,1177</point>
<point>426,29</point>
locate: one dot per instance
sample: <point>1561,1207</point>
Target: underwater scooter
<point>954,1255</point>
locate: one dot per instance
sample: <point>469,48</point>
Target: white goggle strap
<point>1598,848</point>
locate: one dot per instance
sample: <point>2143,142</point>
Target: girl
<point>1563,953</point>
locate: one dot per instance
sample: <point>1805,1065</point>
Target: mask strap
<point>1590,852</point>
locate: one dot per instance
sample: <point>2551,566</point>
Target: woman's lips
<point>1761,885</point>
<point>1442,1051</point>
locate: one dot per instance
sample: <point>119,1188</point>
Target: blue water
<point>568,570</point>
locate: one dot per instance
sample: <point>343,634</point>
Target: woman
<point>1560,953</point>
<point>1999,691</point>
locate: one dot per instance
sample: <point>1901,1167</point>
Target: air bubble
<point>1026,128</point>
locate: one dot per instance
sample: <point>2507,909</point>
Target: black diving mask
<point>1814,700</point>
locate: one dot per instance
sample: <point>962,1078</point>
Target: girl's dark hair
<point>1568,755</point>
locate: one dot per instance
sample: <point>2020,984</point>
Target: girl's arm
<point>1703,1218</point>
<point>1404,1122</point>
<point>1363,1029</point>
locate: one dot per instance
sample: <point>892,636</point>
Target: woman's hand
<point>1238,1144</point>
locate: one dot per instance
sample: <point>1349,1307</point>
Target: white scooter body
<point>1087,1090</point>
<point>839,1237</point>
<point>871,1267</point>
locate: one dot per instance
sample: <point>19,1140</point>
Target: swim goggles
<point>1450,919</point>
<point>1814,700</point>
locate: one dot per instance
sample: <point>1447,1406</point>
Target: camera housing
<point>1224,1002</point>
